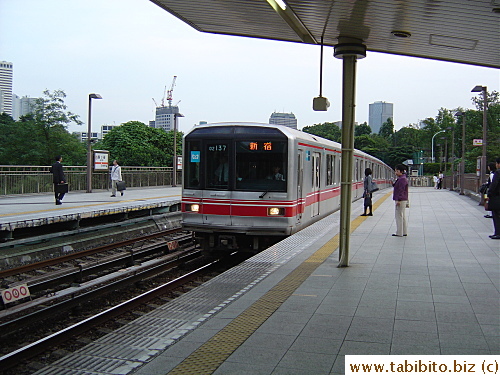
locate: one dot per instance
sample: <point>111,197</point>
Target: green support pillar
<point>349,50</point>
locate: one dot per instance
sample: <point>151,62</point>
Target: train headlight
<point>194,208</point>
<point>275,211</point>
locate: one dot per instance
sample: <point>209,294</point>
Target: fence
<point>24,179</point>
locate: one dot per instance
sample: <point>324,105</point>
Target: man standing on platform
<point>494,200</point>
<point>116,176</point>
<point>58,178</point>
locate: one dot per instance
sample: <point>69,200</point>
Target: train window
<point>217,166</point>
<point>261,165</point>
<point>191,163</point>
<point>330,170</point>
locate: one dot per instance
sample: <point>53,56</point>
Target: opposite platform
<point>26,211</point>
<point>433,292</point>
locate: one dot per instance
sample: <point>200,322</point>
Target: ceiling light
<point>281,3</point>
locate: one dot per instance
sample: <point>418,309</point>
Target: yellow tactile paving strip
<point>208,357</point>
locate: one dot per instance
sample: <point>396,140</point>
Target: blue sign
<point>195,156</point>
<point>308,155</point>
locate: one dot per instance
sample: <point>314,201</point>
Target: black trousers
<point>58,196</point>
<point>496,222</point>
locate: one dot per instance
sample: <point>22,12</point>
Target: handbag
<point>120,186</point>
<point>408,203</point>
<point>373,187</point>
<point>62,188</point>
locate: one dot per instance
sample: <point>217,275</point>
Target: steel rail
<point>80,254</point>
<point>9,327</point>
<point>11,359</point>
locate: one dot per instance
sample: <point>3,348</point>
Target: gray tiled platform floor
<point>433,292</point>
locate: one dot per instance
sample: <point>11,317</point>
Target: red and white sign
<point>172,245</point>
<point>15,293</point>
<point>477,142</point>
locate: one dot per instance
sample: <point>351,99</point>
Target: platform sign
<point>101,160</point>
<point>477,142</point>
<point>179,163</point>
<point>15,293</point>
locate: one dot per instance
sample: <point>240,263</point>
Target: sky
<point>128,51</point>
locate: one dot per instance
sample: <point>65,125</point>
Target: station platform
<point>22,212</point>
<point>291,310</point>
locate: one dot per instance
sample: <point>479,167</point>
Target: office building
<point>105,129</point>
<point>6,71</point>
<point>379,112</point>
<point>22,106</point>
<point>286,119</point>
<point>165,117</point>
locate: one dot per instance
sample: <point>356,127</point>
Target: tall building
<point>165,117</point>
<point>378,113</point>
<point>22,106</point>
<point>286,119</point>
<point>6,87</point>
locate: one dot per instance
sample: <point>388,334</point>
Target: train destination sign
<point>263,146</point>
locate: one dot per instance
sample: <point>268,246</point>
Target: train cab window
<point>261,165</point>
<point>217,166</point>
<point>192,158</point>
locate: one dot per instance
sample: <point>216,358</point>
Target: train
<point>248,185</point>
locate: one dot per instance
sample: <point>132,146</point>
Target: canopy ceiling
<point>463,31</point>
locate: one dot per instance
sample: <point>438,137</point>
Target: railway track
<point>179,271</point>
<point>50,276</point>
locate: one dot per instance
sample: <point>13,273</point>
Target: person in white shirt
<point>116,176</point>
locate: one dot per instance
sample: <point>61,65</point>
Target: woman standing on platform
<point>494,201</point>
<point>367,194</point>
<point>400,196</point>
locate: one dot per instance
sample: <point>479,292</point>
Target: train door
<point>316,174</point>
<point>300,181</point>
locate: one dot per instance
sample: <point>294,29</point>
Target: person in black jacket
<point>58,178</point>
<point>494,195</point>
<point>491,168</point>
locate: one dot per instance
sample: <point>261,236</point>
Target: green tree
<point>327,130</point>
<point>36,138</point>
<point>387,129</point>
<point>362,129</point>
<point>135,143</point>
<point>51,119</point>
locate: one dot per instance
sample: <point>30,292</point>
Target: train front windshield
<point>244,164</point>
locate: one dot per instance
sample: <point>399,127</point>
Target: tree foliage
<point>135,143</point>
<point>36,138</point>
<point>327,130</point>
<point>394,147</point>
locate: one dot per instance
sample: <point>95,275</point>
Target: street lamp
<point>482,89</point>
<point>89,143</point>
<point>452,156</point>
<point>462,164</point>
<point>174,180</point>
<point>434,160</point>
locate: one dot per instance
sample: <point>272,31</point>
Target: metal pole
<point>462,164</point>
<point>485,125</point>
<point>348,105</point>
<point>432,147</point>
<point>89,148</point>
<point>453,174</point>
<point>174,180</point>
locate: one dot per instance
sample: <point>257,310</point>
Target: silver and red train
<point>247,185</point>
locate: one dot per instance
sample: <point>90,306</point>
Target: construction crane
<point>170,92</point>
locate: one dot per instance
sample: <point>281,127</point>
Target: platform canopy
<point>463,31</point>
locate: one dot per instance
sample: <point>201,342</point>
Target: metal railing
<point>28,179</point>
